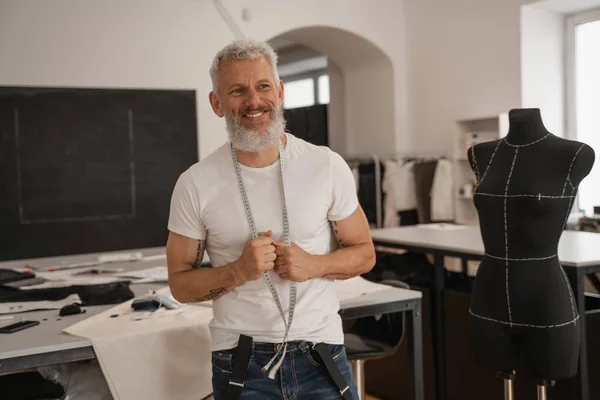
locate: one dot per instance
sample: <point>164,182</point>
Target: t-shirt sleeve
<point>185,216</point>
<point>344,199</point>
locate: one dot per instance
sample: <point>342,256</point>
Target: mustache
<point>249,110</point>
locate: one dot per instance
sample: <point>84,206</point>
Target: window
<point>584,97</point>
<point>306,90</point>
<point>324,89</point>
<point>300,93</point>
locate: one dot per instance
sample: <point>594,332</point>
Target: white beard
<point>247,139</point>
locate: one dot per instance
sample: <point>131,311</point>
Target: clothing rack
<point>356,160</point>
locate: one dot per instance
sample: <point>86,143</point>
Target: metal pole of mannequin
<point>541,392</point>
<point>541,389</point>
<point>508,377</point>
<point>508,389</point>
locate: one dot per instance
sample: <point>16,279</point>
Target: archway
<point>361,117</point>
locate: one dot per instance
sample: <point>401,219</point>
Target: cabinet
<point>470,132</point>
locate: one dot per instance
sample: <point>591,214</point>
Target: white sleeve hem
<point>346,213</point>
<point>186,232</point>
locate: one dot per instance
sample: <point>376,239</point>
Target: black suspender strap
<point>333,371</point>
<point>239,368</point>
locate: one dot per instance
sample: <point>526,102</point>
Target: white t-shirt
<point>207,205</point>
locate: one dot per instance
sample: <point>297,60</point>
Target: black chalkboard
<point>88,170</point>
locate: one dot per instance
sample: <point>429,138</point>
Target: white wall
<point>464,62</point>
<point>158,44</point>
<point>451,60</point>
<point>542,68</point>
<point>336,115</point>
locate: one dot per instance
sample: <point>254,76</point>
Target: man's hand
<point>293,263</point>
<point>258,256</point>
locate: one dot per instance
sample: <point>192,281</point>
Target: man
<point>265,222</point>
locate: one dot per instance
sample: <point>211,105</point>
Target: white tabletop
<point>575,249</point>
<point>48,336</point>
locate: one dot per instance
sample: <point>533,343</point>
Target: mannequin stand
<point>508,377</point>
<point>541,389</point>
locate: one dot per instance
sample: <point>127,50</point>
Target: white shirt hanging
<point>442,202</point>
<point>406,198</point>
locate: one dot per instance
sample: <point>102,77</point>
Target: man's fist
<point>258,256</point>
<point>293,263</point>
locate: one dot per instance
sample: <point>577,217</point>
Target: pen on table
<point>97,271</point>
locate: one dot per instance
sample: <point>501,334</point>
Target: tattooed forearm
<point>213,294</point>
<point>199,253</point>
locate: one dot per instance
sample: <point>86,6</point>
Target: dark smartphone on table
<point>18,326</point>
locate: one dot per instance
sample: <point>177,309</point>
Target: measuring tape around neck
<point>286,242</point>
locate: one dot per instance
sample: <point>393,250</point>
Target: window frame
<point>314,75</point>
<point>571,23</point>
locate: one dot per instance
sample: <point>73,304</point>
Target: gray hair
<point>244,50</point>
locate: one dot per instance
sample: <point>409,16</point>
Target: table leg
<point>415,350</point>
<point>576,277</point>
<point>437,326</point>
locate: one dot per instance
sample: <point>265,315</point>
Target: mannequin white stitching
<point>568,289</point>
<point>543,196</point>
<point>489,163</point>
<point>528,144</point>
<point>524,325</point>
<point>506,232</point>
<point>569,173</point>
<point>520,259</point>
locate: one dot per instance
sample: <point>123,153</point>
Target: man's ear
<point>215,104</point>
<point>280,91</point>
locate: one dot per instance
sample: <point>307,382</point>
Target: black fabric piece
<point>367,190</point>
<point>333,371</point>
<point>92,295</point>
<point>409,217</point>
<point>424,173</point>
<point>8,275</point>
<point>240,366</point>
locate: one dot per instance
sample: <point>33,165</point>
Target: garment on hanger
<point>405,194</point>
<point>366,191</point>
<point>424,172</point>
<point>442,204</point>
<point>391,217</point>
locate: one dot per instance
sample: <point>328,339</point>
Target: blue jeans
<point>300,377</point>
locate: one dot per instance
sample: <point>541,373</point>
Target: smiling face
<point>251,102</point>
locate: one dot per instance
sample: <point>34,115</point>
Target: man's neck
<point>262,158</point>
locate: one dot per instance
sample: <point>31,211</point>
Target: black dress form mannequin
<point>522,303</point>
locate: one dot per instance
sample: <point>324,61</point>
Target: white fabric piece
<point>442,199</point>
<point>82,280</point>
<point>154,274</point>
<point>390,214</point>
<point>152,356</point>
<point>22,306</point>
<point>75,274</point>
<point>206,204</point>
<point>406,194</point>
